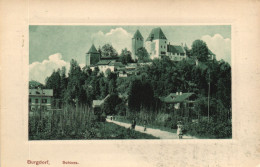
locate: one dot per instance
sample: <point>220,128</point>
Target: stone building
<point>92,56</point>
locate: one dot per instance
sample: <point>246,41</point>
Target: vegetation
<point>138,96</point>
<point>81,124</point>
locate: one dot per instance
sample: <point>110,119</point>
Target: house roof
<point>93,49</point>
<point>174,98</point>
<point>116,64</point>
<point>40,92</point>
<point>98,103</point>
<point>137,35</point>
<point>156,33</point>
<point>104,62</point>
<point>175,49</point>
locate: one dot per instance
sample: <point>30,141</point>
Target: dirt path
<point>155,132</point>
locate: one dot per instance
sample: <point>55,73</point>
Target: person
<point>180,129</point>
<point>133,124</point>
<point>145,122</point>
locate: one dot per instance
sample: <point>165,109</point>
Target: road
<point>155,132</point>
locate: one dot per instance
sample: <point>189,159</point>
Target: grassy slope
<point>97,131</point>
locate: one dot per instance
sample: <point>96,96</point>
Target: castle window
<point>36,100</point>
<point>161,46</point>
<point>165,41</point>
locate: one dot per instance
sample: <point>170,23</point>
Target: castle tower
<point>156,43</point>
<point>93,56</point>
<point>137,42</point>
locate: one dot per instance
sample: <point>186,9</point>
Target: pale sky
<point>53,46</point>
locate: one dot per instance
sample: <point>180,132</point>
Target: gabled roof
<point>174,98</point>
<point>98,103</point>
<point>116,64</point>
<point>175,49</point>
<point>93,49</point>
<point>104,62</point>
<point>40,92</point>
<point>156,33</point>
<point>137,35</point>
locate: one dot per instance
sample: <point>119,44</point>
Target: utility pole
<point>208,96</point>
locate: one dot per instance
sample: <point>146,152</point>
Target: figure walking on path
<point>133,124</point>
<point>145,122</point>
<point>180,129</point>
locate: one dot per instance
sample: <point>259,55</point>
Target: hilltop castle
<point>157,46</point>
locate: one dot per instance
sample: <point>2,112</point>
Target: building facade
<point>40,99</point>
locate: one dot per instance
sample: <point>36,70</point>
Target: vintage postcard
<point>109,83</point>
<point>129,82</point>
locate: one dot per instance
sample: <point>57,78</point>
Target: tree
<point>199,49</point>
<point>75,90</point>
<point>108,51</point>
<point>110,104</point>
<point>187,50</point>
<point>142,55</point>
<point>54,82</point>
<point>125,57</point>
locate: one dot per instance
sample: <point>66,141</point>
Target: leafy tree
<point>125,57</point>
<point>187,50</point>
<point>110,104</point>
<point>142,55</point>
<point>200,50</point>
<point>108,51</point>
<point>54,82</point>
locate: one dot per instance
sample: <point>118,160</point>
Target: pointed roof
<point>156,33</point>
<point>93,49</point>
<point>137,35</point>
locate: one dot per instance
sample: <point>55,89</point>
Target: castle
<point>157,46</point>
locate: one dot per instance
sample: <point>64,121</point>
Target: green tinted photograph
<point>114,82</point>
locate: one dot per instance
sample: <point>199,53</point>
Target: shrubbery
<point>204,129</point>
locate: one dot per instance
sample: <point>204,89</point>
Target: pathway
<point>155,132</point>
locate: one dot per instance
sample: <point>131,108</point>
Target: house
<point>40,98</point>
<point>176,52</point>
<point>97,104</point>
<point>105,65</point>
<point>179,99</point>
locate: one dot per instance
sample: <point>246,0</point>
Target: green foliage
<point>110,104</point>
<point>211,129</point>
<point>108,51</point>
<point>125,57</point>
<point>142,55</point>
<point>200,50</point>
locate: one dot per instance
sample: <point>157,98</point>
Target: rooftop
<point>137,35</point>
<point>40,92</point>
<point>175,49</point>
<point>93,49</point>
<point>176,98</point>
<point>156,33</point>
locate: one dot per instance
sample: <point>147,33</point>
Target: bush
<point>211,129</point>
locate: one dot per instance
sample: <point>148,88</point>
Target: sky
<point>51,47</point>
